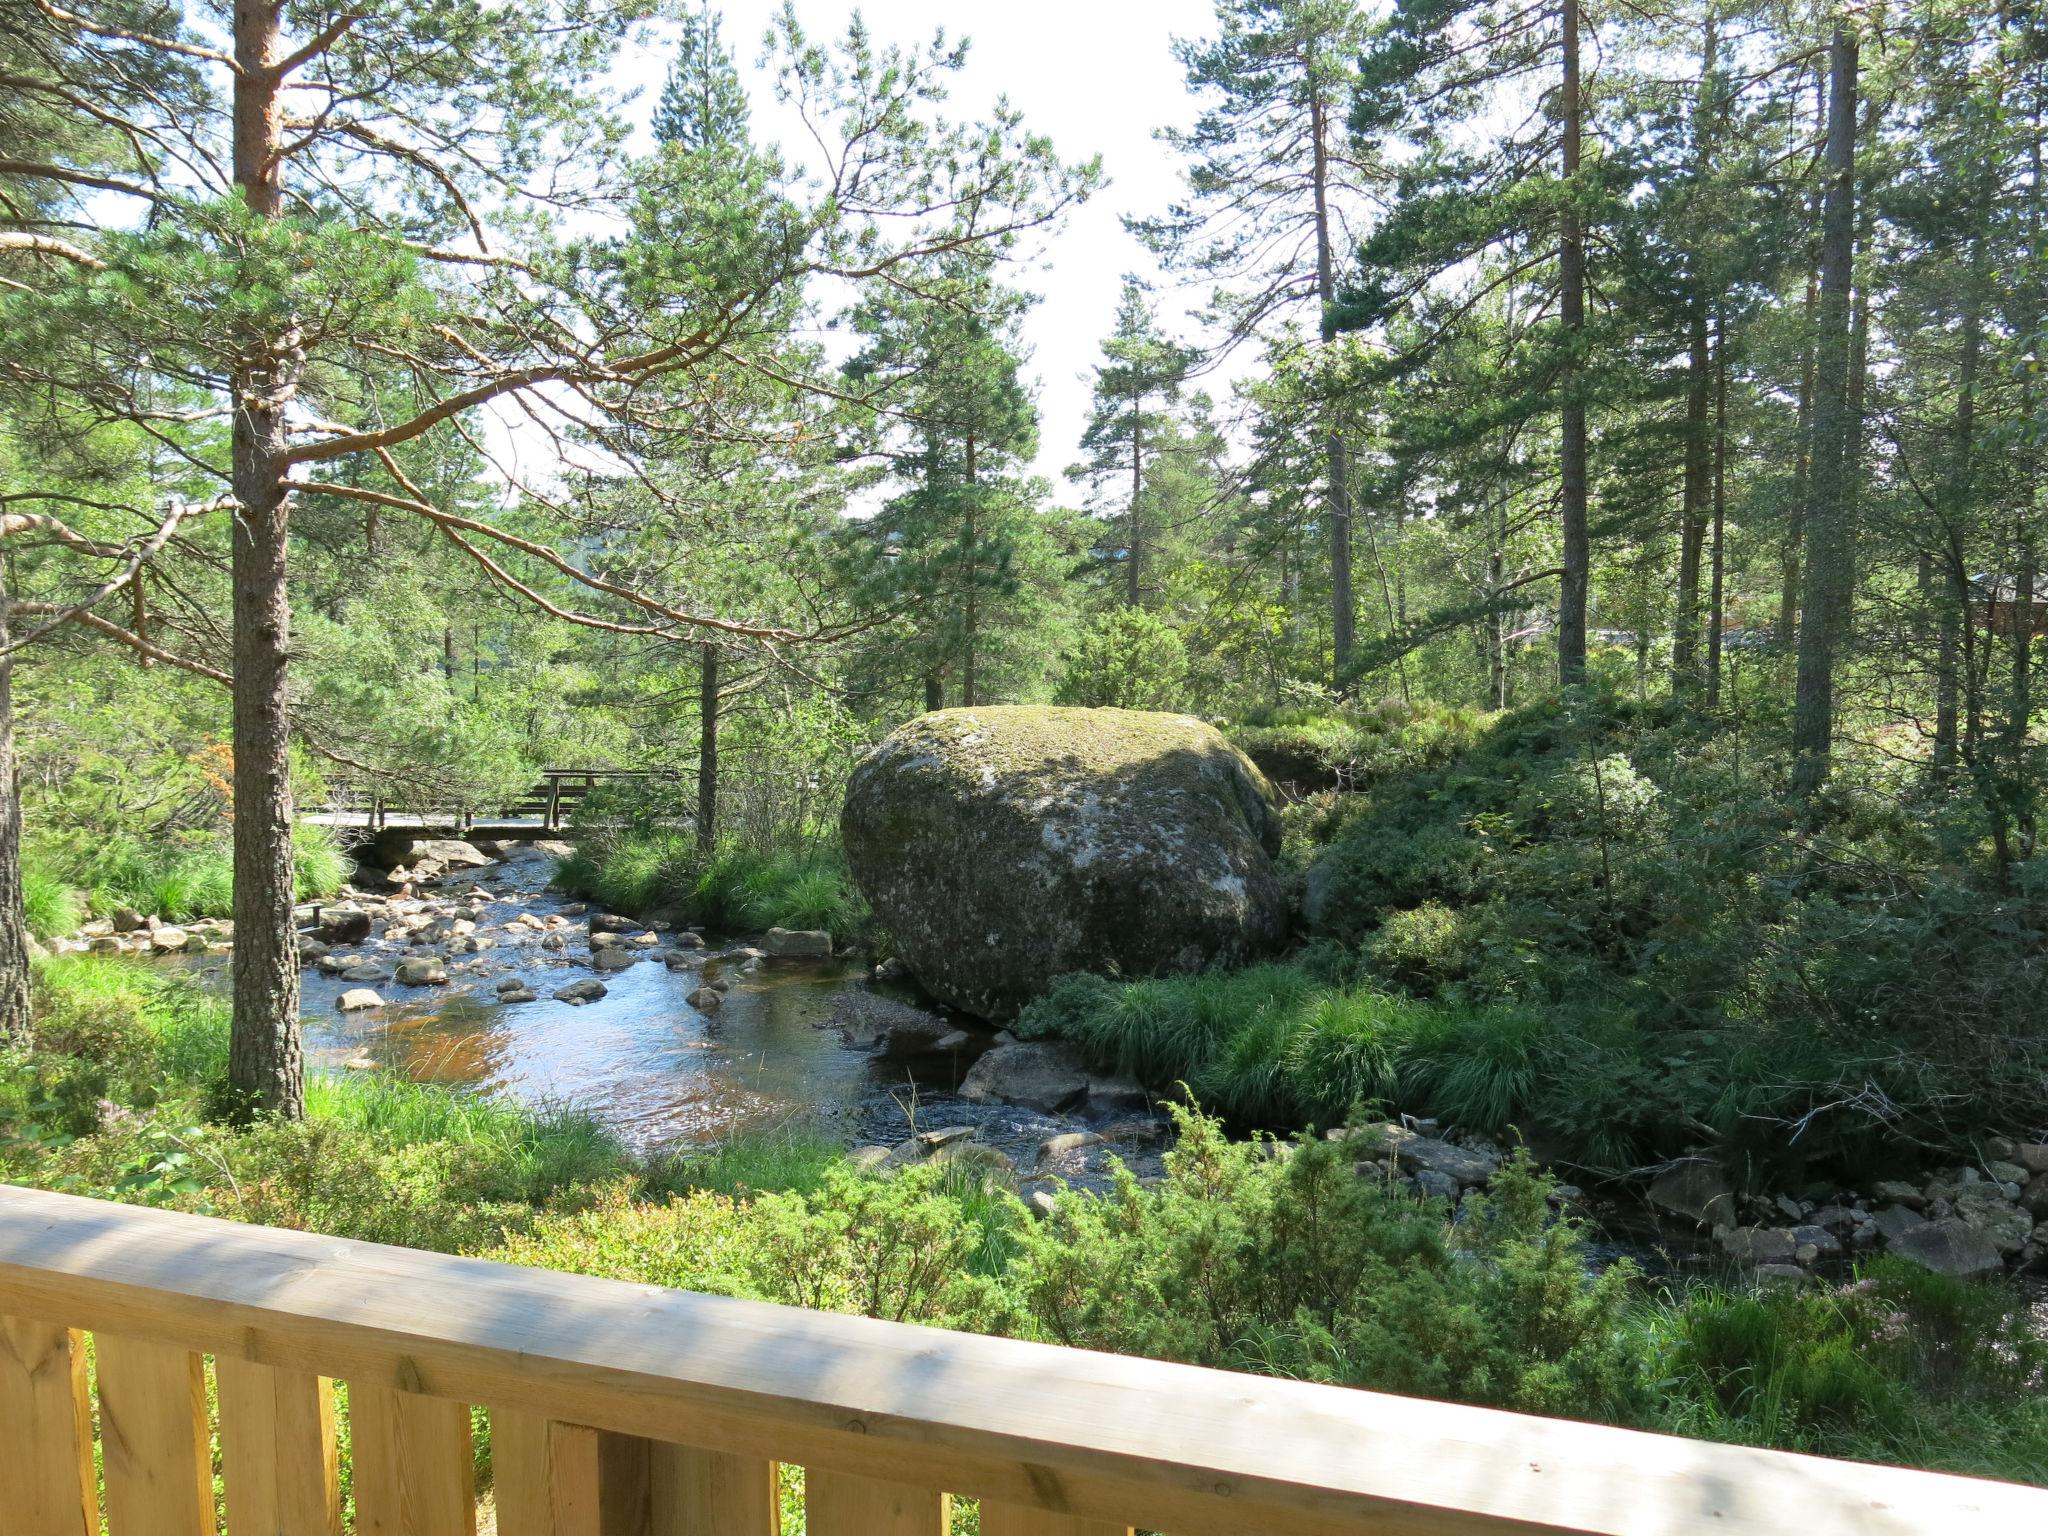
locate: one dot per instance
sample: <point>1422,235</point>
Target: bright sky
<point>1097,77</point>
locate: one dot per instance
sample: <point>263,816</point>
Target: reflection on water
<point>651,1066</point>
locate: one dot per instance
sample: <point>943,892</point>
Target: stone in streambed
<point>1045,1075</point>
<point>1002,847</point>
<point>1696,1188</point>
<point>588,990</point>
<point>796,944</point>
<point>707,1000</point>
<point>422,971</point>
<point>1950,1246</point>
<point>358,998</point>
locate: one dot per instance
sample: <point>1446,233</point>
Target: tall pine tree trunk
<point>1343,605</point>
<point>264,1066</point>
<point>1829,538</point>
<point>1692,523</point>
<point>1717,611</point>
<point>1573,586</point>
<point>1692,534</point>
<point>707,751</point>
<point>16,1022</point>
<point>1953,600</point>
<point>1134,592</point>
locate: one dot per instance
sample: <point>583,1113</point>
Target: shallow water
<point>653,1068</point>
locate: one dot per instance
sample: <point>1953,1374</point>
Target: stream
<point>655,1070</point>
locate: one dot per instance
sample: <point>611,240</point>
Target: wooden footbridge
<point>543,807</point>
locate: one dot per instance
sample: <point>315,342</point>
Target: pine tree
<point>1271,174</point>
<point>703,105</point>
<point>1136,386</point>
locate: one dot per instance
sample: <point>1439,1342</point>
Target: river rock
<point>1899,1192</point>
<point>707,1000</point>
<point>447,852</point>
<point>421,971</point>
<point>796,944</point>
<point>1760,1245</point>
<point>1045,1075</point>
<point>519,995</point>
<point>611,922</point>
<point>2032,1156</point>
<point>357,998</point>
<point>343,925</point>
<point>128,920</point>
<point>365,970</point>
<point>1983,1207</point>
<point>167,940</point>
<point>1067,1144</point>
<point>1950,1246</point>
<point>613,959</point>
<point>1696,1189</point>
<point>1465,1166</point>
<point>865,1021</point>
<point>588,990</point>
<point>1004,846</point>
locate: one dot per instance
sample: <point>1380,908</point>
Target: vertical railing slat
<point>842,1504</point>
<point>156,1449</point>
<point>1020,1520</point>
<point>413,1464</point>
<point>709,1493</point>
<point>623,1493</point>
<point>277,1450</point>
<point>46,1480</point>
<point>546,1474</point>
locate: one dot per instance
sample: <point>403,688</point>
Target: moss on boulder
<point>1008,845</point>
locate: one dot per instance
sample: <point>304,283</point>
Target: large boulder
<point>1002,847</point>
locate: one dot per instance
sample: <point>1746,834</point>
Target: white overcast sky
<point>1097,77</point>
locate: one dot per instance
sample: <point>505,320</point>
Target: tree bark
<point>17,1022</point>
<point>1692,529</point>
<point>1953,601</point>
<point>1717,616</point>
<point>1343,604</point>
<point>707,751</point>
<point>1692,519</point>
<point>1577,561</point>
<point>265,1069</point>
<point>1829,537</point>
<point>1134,592</point>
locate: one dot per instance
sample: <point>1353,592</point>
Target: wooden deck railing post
<point>46,1479</point>
<point>841,1504</point>
<point>546,1475</point>
<point>414,1463</point>
<point>157,1453</point>
<point>277,1450</point>
<point>710,1493</point>
<point>627,1410</point>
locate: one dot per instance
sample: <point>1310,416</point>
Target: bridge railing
<point>627,1410</point>
<point>555,794</point>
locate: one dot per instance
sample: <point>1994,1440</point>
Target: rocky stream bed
<point>465,968</point>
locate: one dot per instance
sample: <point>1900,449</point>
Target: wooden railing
<point>626,1410</point>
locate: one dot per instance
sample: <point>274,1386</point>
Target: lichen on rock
<point>1007,845</point>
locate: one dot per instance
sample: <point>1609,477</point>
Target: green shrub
<point>1891,1365</point>
<point>516,1153</point>
<point>178,878</point>
<point>49,904</point>
<point>790,1157</point>
<point>1127,658</point>
<point>1296,1266</point>
<point>732,890</point>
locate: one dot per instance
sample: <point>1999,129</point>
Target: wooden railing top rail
<point>1128,1441</point>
